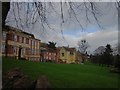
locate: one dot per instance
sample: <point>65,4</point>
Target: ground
<point>66,75</point>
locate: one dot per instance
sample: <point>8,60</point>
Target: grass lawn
<point>66,75</point>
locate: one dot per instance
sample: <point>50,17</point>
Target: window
<point>29,41</point>
<point>3,47</point>
<point>32,42</point>
<point>15,49</point>
<point>46,57</point>
<point>35,43</point>
<point>35,52</point>
<point>4,36</point>
<point>29,51</point>
<point>20,39</point>
<point>71,53</point>
<point>38,52</point>
<point>23,51</point>
<point>24,40</point>
<point>62,54</point>
<point>15,37</point>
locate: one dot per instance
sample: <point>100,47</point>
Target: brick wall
<point>25,43</point>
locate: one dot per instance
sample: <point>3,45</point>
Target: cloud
<point>99,38</point>
<point>72,31</point>
<point>95,39</point>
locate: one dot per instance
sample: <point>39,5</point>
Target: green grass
<point>66,75</point>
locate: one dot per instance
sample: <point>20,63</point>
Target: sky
<point>70,32</point>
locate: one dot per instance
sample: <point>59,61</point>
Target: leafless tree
<point>83,46</point>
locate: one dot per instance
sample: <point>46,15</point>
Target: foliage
<point>106,58</point>
<point>66,75</point>
<point>51,45</point>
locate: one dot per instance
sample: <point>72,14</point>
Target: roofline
<point>21,31</point>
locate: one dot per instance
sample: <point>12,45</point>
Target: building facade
<point>19,44</point>
<point>48,54</point>
<point>68,55</point>
<point>79,57</point>
<point>22,45</point>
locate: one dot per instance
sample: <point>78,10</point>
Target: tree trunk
<point>5,9</point>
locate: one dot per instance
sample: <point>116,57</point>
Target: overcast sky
<point>72,32</point>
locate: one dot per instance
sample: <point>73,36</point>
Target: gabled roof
<point>69,49</point>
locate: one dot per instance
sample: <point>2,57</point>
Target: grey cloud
<point>100,37</point>
<point>109,36</point>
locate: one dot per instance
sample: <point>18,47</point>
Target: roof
<point>8,28</point>
<point>69,49</point>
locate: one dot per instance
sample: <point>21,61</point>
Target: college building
<point>22,45</point>
<point>48,54</point>
<point>19,44</point>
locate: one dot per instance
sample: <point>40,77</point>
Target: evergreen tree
<point>108,55</point>
<point>51,45</point>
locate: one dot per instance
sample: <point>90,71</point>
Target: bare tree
<point>83,46</point>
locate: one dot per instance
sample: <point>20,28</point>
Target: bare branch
<point>86,12</point>
<point>19,15</point>
<point>94,14</point>
<point>70,4</point>
<point>15,15</point>
<point>61,12</point>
